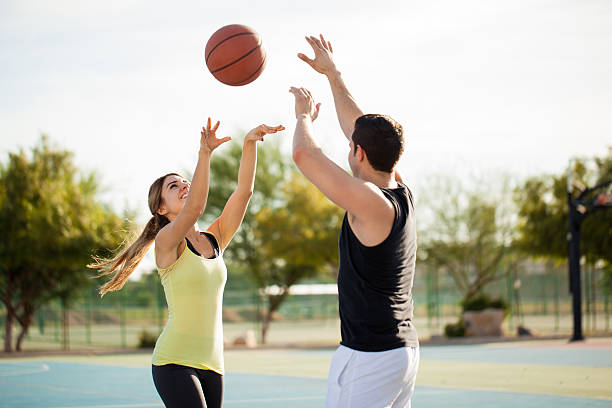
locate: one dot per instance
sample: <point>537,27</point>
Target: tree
<point>299,240</point>
<point>51,224</point>
<point>467,231</point>
<point>543,214</point>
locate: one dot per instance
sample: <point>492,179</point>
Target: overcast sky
<point>483,86</point>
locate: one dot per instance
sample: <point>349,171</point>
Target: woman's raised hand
<point>209,140</point>
<point>260,131</point>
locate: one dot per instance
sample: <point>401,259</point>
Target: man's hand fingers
<point>326,44</point>
<point>317,42</point>
<point>305,59</point>
<point>315,114</point>
<point>312,43</point>
<point>216,126</point>
<point>297,92</point>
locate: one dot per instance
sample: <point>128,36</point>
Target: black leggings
<point>186,387</point>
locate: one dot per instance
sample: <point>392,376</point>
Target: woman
<point>188,356</point>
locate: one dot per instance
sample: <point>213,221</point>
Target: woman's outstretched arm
<point>228,223</point>
<point>172,235</point>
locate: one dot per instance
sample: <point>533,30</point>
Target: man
<point>378,357</point>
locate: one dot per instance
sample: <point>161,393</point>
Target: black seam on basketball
<point>228,38</point>
<point>250,76</point>
<point>239,59</point>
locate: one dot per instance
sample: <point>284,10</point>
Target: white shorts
<point>372,379</point>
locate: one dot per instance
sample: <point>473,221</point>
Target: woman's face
<point>174,194</point>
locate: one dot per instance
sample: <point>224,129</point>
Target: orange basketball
<point>234,55</point>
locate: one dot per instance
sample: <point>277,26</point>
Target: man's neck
<point>379,178</point>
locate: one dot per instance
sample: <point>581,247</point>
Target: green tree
<point>51,224</point>
<point>298,239</point>
<point>543,214</point>
<point>467,231</point>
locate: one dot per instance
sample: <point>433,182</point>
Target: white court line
<point>114,406</point>
<point>272,400</point>
<point>224,402</point>
<point>25,371</point>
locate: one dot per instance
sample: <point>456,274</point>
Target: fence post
<point>594,296</point>
<point>41,321</point>
<point>122,320</point>
<point>606,311</point>
<point>428,292</point>
<point>587,295</point>
<point>65,324</point>
<point>56,313</point>
<point>510,295</point>
<point>556,301</point>
<point>543,296</point>
<point>257,319</point>
<point>437,299</point>
<point>88,305</point>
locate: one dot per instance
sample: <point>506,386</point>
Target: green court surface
<point>517,374</point>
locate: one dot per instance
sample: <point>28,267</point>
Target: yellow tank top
<point>193,335</point>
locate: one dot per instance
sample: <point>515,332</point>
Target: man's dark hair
<point>382,139</point>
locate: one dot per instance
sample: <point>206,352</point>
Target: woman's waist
<point>193,323</point>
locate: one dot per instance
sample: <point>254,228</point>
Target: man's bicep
<point>344,190</point>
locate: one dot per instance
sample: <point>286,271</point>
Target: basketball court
<point>504,375</point>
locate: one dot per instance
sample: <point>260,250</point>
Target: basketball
<point>234,55</point>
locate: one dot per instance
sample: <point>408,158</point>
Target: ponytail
<point>124,263</point>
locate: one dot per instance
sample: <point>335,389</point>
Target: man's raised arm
<point>323,62</point>
<point>346,106</point>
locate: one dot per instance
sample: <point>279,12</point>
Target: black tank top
<point>375,283</point>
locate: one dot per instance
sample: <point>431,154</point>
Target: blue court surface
<point>114,382</point>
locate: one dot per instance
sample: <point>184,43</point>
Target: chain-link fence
<point>537,294</point>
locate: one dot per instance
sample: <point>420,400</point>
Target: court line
<point>113,406</point>
<point>43,368</point>
<point>225,402</point>
<point>272,400</point>
<point>75,390</point>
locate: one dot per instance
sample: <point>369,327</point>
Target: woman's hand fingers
<point>209,139</point>
<point>273,129</point>
<point>260,131</point>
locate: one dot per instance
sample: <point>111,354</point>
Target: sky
<point>487,86</point>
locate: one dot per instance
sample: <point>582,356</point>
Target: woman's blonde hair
<point>129,256</point>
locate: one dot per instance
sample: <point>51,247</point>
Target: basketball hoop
<point>586,201</point>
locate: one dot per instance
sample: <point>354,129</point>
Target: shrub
<point>455,329</point>
<point>483,301</point>
<point>146,339</point>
